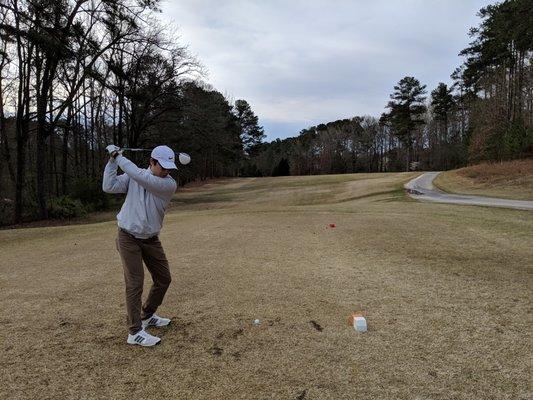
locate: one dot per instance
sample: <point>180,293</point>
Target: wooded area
<point>78,75</point>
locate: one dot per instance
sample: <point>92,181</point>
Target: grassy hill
<point>507,180</point>
<point>446,291</point>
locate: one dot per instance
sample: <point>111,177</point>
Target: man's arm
<point>161,187</point>
<point>113,183</point>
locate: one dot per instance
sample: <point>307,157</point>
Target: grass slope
<point>446,290</point>
<point>507,180</point>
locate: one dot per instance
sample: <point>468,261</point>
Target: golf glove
<point>113,150</point>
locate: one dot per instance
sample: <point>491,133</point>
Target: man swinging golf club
<point>139,221</point>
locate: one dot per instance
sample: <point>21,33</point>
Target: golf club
<point>184,158</point>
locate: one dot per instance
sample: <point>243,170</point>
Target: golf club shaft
<point>184,161</point>
<point>130,149</point>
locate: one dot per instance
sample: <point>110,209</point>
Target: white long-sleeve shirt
<point>147,196</point>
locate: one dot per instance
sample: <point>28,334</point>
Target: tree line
<point>78,75</point>
<point>486,114</point>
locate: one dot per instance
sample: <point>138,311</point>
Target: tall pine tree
<point>251,133</point>
<point>406,110</point>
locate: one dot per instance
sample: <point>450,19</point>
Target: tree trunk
<point>93,150</point>
<point>64,159</point>
<point>408,156</point>
<point>85,130</point>
<point>42,133</point>
<point>52,147</point>
<point>120,116</point>
<point>75,136</point>
<point>22,125</point>
<point>4,140</point>
<point>114,121</point>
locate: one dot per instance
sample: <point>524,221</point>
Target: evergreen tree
<point>406,110</point>
<point>251,133</point>
<point>442,103</point>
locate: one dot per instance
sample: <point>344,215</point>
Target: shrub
<point>89,192</point>
<point>6,211</point>
<point>282,169</point>
<point>66,207</point>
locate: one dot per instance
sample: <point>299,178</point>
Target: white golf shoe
<point>143,338</point>
<point>155,320</point>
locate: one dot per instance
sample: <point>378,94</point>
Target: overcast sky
<point>299,63</point>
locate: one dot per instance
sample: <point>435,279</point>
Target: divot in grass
<point>216,351</point>
<point>316,325</point>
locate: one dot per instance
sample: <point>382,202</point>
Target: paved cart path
<point>422,188</point>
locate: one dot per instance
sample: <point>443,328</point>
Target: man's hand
<point>113,150</point>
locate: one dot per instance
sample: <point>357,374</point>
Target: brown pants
<point>132,252</point>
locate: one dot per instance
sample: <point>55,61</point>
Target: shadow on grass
<point>394,195</point>
<point>397,195</point>
<point>204,198</point>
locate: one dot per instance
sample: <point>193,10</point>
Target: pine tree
<point>251,133</point>
<point>406,109</point>
<point>442,103</point>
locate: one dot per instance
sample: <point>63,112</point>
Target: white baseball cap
<point>165,156</point>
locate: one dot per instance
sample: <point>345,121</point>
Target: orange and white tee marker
<point>358,321</point>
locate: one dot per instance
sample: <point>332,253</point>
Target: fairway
<point>446,290</point>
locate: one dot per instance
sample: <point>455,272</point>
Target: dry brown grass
<point>507,180</point>
<point>446,290</point>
